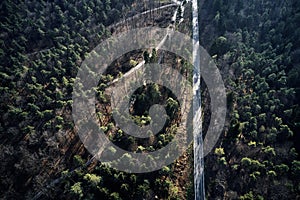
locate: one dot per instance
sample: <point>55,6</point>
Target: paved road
<point>197,121</point>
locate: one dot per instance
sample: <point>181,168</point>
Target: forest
<point>254,43</point>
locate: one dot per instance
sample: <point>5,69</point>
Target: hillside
<point>255,45</point>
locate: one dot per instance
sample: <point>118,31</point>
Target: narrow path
<point>171,27</point>
<point>140,14</point>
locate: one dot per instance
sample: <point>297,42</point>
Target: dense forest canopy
<point>254,43</point>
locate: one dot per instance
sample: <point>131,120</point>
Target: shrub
<point>271,173</point>
<point>223,161</point>
<point>269,150</point>
<point>296,168</point>
<point>252,143</point>
<point>77,190</point>
<point>219,151</point>
<point>246,161</point>
<point>78,161</point>
<point>282,168</point>
<point>254,175</point>
<point>92,178</point>
<point>248,196</point>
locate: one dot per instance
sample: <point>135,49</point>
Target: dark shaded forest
<point>254,43</point>
<point>256,46</point>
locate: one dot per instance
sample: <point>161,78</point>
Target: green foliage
<point>252,144</point>
<point>269,150</point>
<point>251,196</point>
<point>219,151</point>
<point>293,153</point>
<point>133,63</point>
<point>172,107</point>
<point>173,193</point>
<point>78,161</point>
<point>223,161</point>
<point>285,132</point>
<point>112,150</point>
<point>43,46</point>
<point>282,168</point>
<point>248,196</point>
<point>165,170</point>
<point>271,173</point>
<point>104,128</point>
<point>246,161</point>
<point>252,164</point>
<point>235,166</point>
<point>59,119</point>
<point>115,196</point>
<point>93,179</point>
<point>263,80</point>
<point>255,175</point>
<point>220,46</point>
<point>296,168</point>
<point>143,189</point>
<point>77,190</point>
<point>125,187</point>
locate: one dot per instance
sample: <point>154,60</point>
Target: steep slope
<point>255,47</point>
